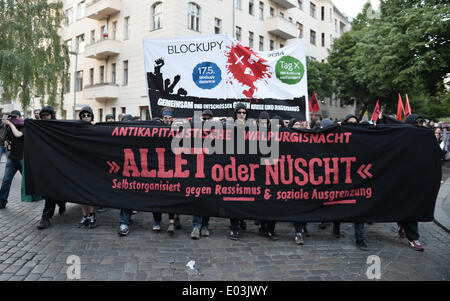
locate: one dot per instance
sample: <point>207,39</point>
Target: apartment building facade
<point>107,37</point>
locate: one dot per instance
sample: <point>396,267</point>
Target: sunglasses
<point>242,112</point>
<point>86,115</point>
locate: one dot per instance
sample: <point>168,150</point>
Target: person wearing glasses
<point>48,113</point>
<point>240,117</point>
<point>15,144</point>
<point>87,115</point>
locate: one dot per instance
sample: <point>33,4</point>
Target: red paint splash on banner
<point>245,66</point>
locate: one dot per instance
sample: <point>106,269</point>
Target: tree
<point>404,50</point>
<point>33,58</point>
<point>320,79</point>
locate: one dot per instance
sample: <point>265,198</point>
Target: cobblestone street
<point>27,253</point>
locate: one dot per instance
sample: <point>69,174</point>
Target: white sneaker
<point>124,230</point>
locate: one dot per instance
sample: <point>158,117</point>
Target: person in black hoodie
<point>48,113</point>
<point>87,115</point>
<point>408,229</point>
<point>15,143</point>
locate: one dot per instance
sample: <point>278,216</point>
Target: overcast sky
<point>353,7</point>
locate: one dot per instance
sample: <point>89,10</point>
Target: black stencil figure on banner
<point>165,86</point>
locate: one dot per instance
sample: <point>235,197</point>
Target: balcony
<point>282,28</point>
<point>101,9</point>
<point>102,92</point>
<point>102,49</point>
<point>285,3</point>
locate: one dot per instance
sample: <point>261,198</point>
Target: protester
<point>87,115</point>
<point>409,229</point>
<point>240,116</point>
<point>3,128</point>
<point>37,114</point>
<point>109,118</point>
<point>359,227</point>
<point>14,142</point>
<point>48,113</point>
<point>167,119</point>
<point>200,223</point>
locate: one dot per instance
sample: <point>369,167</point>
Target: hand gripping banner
<point>217,72</point>
<point>348,173</point>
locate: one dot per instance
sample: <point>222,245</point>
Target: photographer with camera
<point>15,144</point>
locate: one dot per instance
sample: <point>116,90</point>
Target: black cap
<point>208,112</point>
<point>14,113</point>
<point>109,116</point>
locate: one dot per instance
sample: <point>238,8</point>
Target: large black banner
<point>344,173</point>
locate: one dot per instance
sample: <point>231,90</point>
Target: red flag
<point>376,112</point>
<point>399,107</point>
<point>314,105</point>
<point>407,106</point>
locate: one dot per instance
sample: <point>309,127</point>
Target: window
<point>217,26</point>
<point>91,76</point>
<point>331,16</point>
<point>102,33</point>
<point>238,33</point>
<point>80,9</point>
<point>123,109</point>
<point>300,30</point>
<point>102,74</point>
<point>250,39</point>
<point>272,12</point>
<point>125,72</point>
<point>69,44</point>
<point>92,36</point>
<point>250,7</point>
<point>67,84</point>
<point>300,4</point>
<point>312,10</point>
<point>261,43</point>
<point>100,115</point>
<point>323,40</point>
<point>157,16</point>
<point>335,25</point>
<point>69,16</point>
<point>281,45</point>
<point>114,30</point>
<point>290,19</point>
<point>194,17</point>
<point>113,73</point>
<point>114,113</point>
<point>323,13</point>
<point>79,85</point>
<point>313,37</point>
<point>342,27</point>
<point>126,26</point>
<point>238,4</point>
<point>261,10</point>
<point>144,113</point>
<point>272,45</point>
<point>281,14</point>
<point>79,47</point>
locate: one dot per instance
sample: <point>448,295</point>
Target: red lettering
<point>271,172</point>
<point>230,170</point>
<point>311,171</point>
<point>162,173</point>
<point>144,166</point>
<point>297,163</point>
<point>179,162</point>
<point>129,164</point>
<point>329,170</point>
<point>348,161</point>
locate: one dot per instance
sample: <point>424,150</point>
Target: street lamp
<point>74,83</point>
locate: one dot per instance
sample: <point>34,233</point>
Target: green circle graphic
<point>289,70</point>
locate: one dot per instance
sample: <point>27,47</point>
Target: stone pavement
<point>27,253</point>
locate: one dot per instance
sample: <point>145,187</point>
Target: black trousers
<point>49,208</point>
<point>411,229</point>
<point>268,227</point>
<point>157,216</point>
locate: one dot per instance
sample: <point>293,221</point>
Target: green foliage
<point>405,49</point>
<point>320,79</point>
<point>33,59</point>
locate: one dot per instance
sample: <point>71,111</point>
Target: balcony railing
<point>102,92</point>
<point>282,28</point>
<point>101,9</point>
<point>102,49</point>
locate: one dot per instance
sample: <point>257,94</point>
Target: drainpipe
<point>233,29</point>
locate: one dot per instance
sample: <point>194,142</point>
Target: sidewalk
<point>442,210</point>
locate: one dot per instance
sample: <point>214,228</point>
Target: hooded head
<point>326,123</point>
<point>297,123</point>
<point>350,118</point>
<point>127,118</point>
<point>207,114</point>
<point>14,114</point>
<point>47,110</point>
<point>109,117</point>
<point>86,110</point>
<point>414,119</point>
<point>278,120</point>
<point>240,107</point>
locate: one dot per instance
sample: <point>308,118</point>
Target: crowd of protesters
<point>12,134</point>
